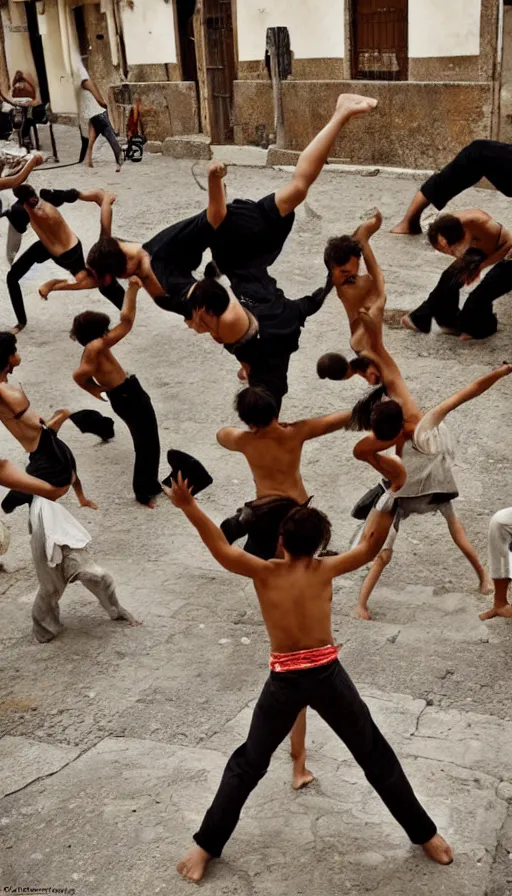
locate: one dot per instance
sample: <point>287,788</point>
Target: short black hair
<point>340,249</point>
<point>89,325</point>
<point>360,364</point>
<point>374,411</point>
<point>25,193</point>
<point>210,296</point>
<point>332,366</point>
<point>387,420</point>
<point>448,226</point>
<point>256,406</point>
<point>7,348</point>
<point>107,257</point>
<point>305,531</point>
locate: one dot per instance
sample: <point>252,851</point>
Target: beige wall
<point>316,27</point>
<point>148,30</point>
<point>17,45</point>
<point>439,28</point>
<point>60,81</point>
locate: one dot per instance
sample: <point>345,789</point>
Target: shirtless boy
<point>244,235</point>
<point>50,458</point>
<point>56,242</point>
<point>477,242</point>
<point>427,453</point>
<point>100,372</point>
<point>295,596</point>
<point>355,291</point>
<point>273,451</point>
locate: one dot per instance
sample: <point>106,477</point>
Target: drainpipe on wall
<point>498,60</point>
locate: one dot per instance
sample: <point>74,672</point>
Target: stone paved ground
<point>114,738</point>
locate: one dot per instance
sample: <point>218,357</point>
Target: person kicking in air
<point>295,596</point>
<point>100,372</point>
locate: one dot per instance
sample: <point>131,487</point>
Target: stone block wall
<point>168,108</point>
<point>417,124</point>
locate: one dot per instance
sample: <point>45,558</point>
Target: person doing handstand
<point>295,596</point>
<point>56,242</point>
<point>273,451</point>
<point>427,453</point>
<point>100,372</point>
<point>50,458</point>
<point>477,242</point>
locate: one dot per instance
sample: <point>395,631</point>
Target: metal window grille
<point>380,40</point>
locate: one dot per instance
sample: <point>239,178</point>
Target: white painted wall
<point>444,28</point>
<point>17,44</point>
<point>148,31</point>
<point>316,27</point>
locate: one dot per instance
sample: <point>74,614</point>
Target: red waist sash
<point>303,659</point>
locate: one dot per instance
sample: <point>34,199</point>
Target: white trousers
<point>500,539</point>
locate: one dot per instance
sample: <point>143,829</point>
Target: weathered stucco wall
<point>18,53</point>
<point>168,108</point>
<point>148,29</point>
<point>505,132</point>
<point>398,134</point>
<point>60,80</point>
<point>316,27</point>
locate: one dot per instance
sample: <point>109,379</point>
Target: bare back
<point>15,414</point>
<point>274,456</point>
<point>295,598</point>
<point>51,228</point>
<point>483,232</point>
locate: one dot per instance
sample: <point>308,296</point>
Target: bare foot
<point>369,227</point>
<point>486,585</point>
<point>125,616</point>
<point>505,613</point>
<point>465,337</point>
<point>362,613</point>
<point>217,169</point>
<point>46,288</point>
<point>407,228</point>
<point>109,197</point>
<point>301,775</point>
<point>408,324</point>
<point>438,850</point>
<point>88,164</point>
<point>449,331</point>
<point>242,375</point>
<point>17,329</point>
<point>193,866</point>
<point>351,104</point>
<point>151,504</point>
<point>87,503</point>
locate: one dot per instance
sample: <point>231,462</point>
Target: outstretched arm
<point>322,426</point>
<point>83,280</point>
<point>434,417</point>
<point>106,214</point>
<point>127,316</point>
<point>231,558</point>
<point>391,376</point>
<point>15,180</point>
<point>12,477</point>
<point>217,208</point>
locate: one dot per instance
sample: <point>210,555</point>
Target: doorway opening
<point>380,40</point>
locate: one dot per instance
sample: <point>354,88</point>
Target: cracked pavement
<point>112,740</point>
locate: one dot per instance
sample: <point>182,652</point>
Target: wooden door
<point>220,68</point>
<point>380,44</point>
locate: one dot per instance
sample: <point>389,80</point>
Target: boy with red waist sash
<point>295,595</point>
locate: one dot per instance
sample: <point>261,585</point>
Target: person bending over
<point>50,458</point>
<point>295,596</point>
<point>477,242</point>
<point>100,372</point>
<point>427,451</point>
<point>273,451</point>
<point>482,158</point>
<point>56,242</point>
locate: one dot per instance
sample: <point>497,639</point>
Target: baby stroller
<point>134,149</point>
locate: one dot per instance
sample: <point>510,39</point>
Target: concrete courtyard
<point>113,739</point>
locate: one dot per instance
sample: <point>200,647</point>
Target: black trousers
<point>72,261</point>
<point>330,691</point>
<point>482,158</point>
<point>476,317</point>
<point>133,405</point>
